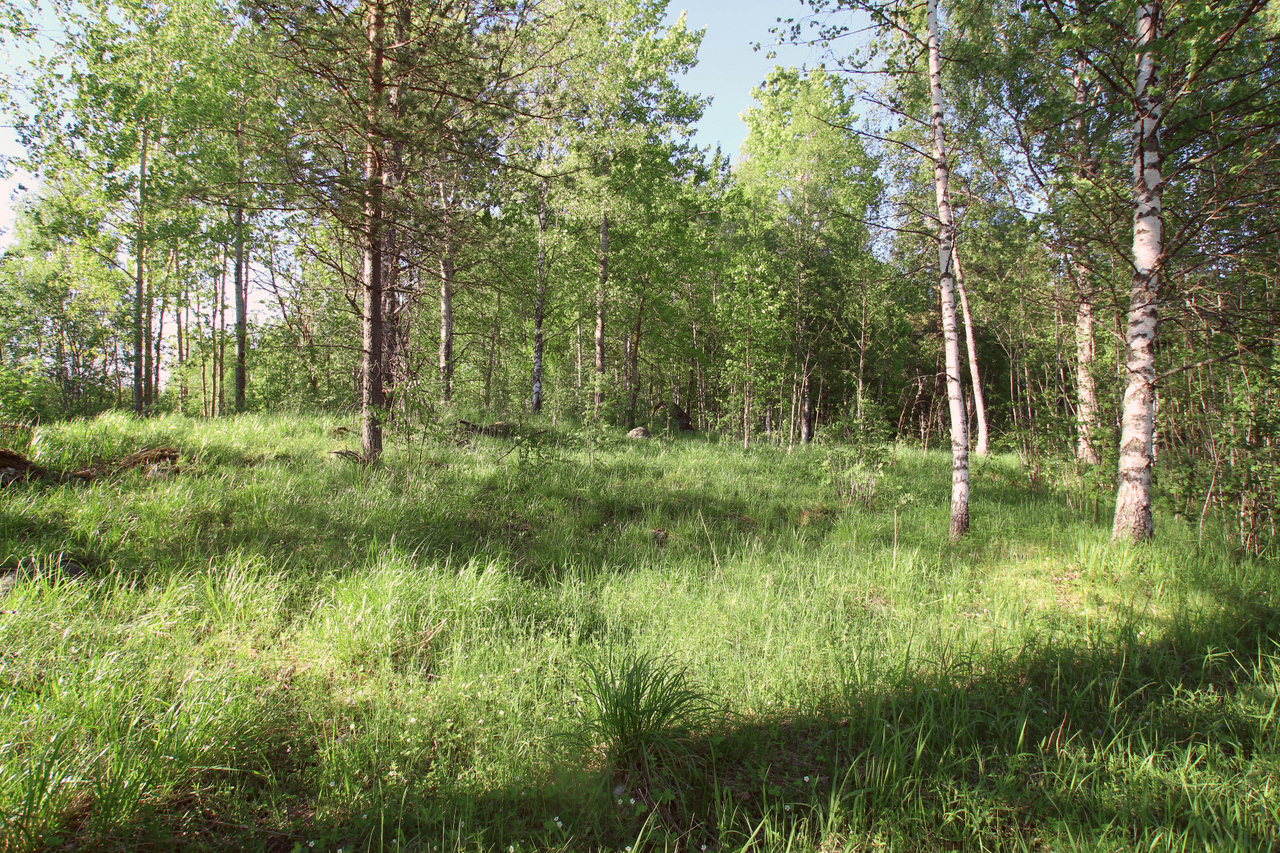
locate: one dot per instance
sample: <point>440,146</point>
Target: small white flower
<point>311,844</point>
<point>633,801</point>
<point>788,807</point>
<point>805,779</point>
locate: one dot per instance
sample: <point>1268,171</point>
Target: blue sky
<point>727,67</point>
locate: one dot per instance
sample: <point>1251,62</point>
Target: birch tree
<point>947,285</point>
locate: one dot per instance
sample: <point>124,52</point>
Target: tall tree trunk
<point>446,319</point>
<point>540,301</point>
<point>601,302</point>
<point>394,326</point>
<point>1086,385</point>
<point>1087,424</point>
<point>158,343</point>
<point>140,251</point>
<point>979,397</point>
<point>242,313</point>
<point>946,244</point>
<point>371,400</point>
<point>1133,500</point>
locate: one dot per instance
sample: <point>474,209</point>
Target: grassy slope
<point>275,648</point>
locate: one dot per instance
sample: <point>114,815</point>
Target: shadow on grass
<point>1163,743</point>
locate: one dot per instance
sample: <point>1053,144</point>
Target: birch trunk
<point>371,400</point>
<point>446,320</point>
<point>947,294</point>
<point>1133,499</point>
<point>979,398</point>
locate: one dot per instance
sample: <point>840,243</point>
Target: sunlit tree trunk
<point>1133,500</point>
<point>371,401</point>
<point>1087,426</point>
<point>946,287</point>
<point>975,375</point>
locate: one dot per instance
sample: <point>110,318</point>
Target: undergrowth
<point>577,643</point>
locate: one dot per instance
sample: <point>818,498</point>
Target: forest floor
<point>566,640</point>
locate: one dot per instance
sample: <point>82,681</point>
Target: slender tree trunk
<point>159,342</point>
<point>371,398</point>
<point>1133,500</point>
<point>493,349</point>
<point>540,301</point>
<point>394,324</point>
<point>601,302</point>
<point>946,244</point>
<point>242,313</point>
<point>979,397</point>
<point>1086,385</point>
<point>446,319</point>
<point>148,364</point>
<point>140,251</point>
<point>1087,409</point>
<point>635,364</point>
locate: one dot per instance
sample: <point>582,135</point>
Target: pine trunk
<point>242,314</point>
<point>371,399</point>
<point>1133,500</point>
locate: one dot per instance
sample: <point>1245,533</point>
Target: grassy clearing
<point>580,644</point>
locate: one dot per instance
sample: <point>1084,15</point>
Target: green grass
<point>593,644</point>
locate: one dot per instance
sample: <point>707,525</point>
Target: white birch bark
<point>946,288</point>
<point>1133,500</point>
<point>979,399</point>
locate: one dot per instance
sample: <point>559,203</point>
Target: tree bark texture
<point>946,288</point>
<point>975,375</point>
<point>1087,425</point>
<point>242,313</point>
<point>371,401</point>
<point>1133,519</point>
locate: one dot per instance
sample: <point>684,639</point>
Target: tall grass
<point>585,644</point>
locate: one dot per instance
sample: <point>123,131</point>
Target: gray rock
<point>639,432</point>
<point>56,568</point>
